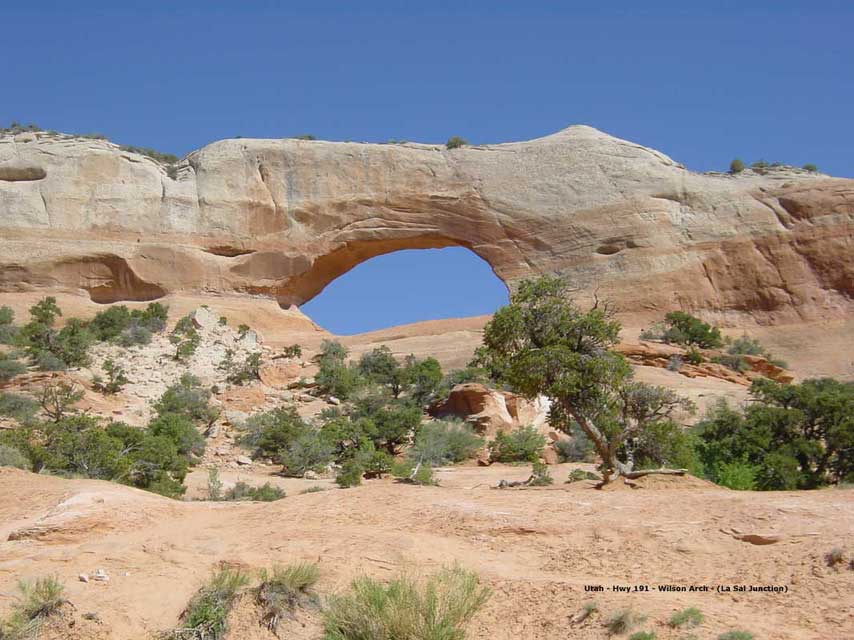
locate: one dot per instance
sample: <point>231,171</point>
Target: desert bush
<point>240,373</point>
<point>409,470</point>
<point>350,474</point>
<point>795,436</point>
<point>734,362</point>
<point>737,475</point>
<point>623,621</point>
<point>664,443</point>
<point>8,330</point>
<point>304,136</point>
<point>455,142</point>
<point>423,378</point>
<point>20,408</point>
<point>57,399</point>
<point>10,367</point>
<point>642,635</point>
<point>181,430</point>
<point>736,635</point>
<point>271,432</point>
<point>12,457</point>
<point>379,366</point>
<point>292,351</point>
<point>578,475</point>
<point>313,489</point>
<point>207,612</point>
<point>441,442</point>
<point>189,398</point>
<point>283,589</point>
<point>736,166</point>
<point>38,600</point>
<point>108,324</point>
<point>693,356</point>
<point>308,451</point>
<point>675,362</point>
<point>683,328</point>
<point>810,167</point>
<point>690,617</point>
<point>540,475</point>
<point>834,557</point>
<point>159,156</point>
<point>577,448</point>
<point>525,444</point>
<point>748,346</point>
<point>243,491</point>
<point>405,609</point>
<point>214,486</point>
<point>116,378</point>
<point>185,338</point>
<point>72,343</point>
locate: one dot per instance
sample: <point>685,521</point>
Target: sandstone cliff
<point>283,218</point>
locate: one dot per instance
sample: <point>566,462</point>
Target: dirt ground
<point>538,549</point>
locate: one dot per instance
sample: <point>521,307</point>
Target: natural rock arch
<point>283,218</point>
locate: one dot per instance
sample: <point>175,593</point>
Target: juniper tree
<point>543,343</point>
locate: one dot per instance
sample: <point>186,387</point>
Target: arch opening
<point>406,286</point>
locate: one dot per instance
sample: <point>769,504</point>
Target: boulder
<point>203,318</point>
<point>280,373</point>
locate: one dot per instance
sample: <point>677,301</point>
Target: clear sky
<point>701,81</point>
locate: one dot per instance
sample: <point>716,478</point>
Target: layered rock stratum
<point>283,218</point>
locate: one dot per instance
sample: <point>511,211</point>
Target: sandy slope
<point>537,548</point>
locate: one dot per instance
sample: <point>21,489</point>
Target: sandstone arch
<point>283,218</point>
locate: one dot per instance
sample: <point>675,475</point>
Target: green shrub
<point>334,376</point>
<point>179,428</point>
<point>57,399</point>
<point>20,408</point>
<point>350,474</point>
<point>8,331</point>
<point>576,448</point>
<point>793,436</point>
<point>243,491</point>
<point>811,167</point>
<point>736,635</point>
<point>292,351</point>
<point>693,356</point>
<point>313,489</point>
<point>642,635</point>
<point>116,378</point>
<point>540,475</point>
<point>241,373</point>
<point>737,475</point>
<point>9,367</point>
<point>751,347</point>
<point>304,136</point>
<point>578,475</point>
<point>108,324</point>
<point>159,156</point>
<point>736,166</point>
<point>12,457</point>
<point>187,397</point>
<point>72,343</point>
<point>39,600</point>
<point>306,452</point>
<point>380,367</point>
<point>214,484</point>
<point>207,612</point>
<point>455,142</point>
<point>437,608</point>
<point>683,328</point>
<point>690,617</point>
<point>185,338</point>
<point>409,470</point>
<point>623,621</point>
<point>734,362</point>
<point>441,442</point>
<point>423,378</point>
<point>664,443</point>
<point>525,444</point>
<point>283,589</point>
<point>269,434</point>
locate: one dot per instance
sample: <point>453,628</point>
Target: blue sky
<point>702,82</point>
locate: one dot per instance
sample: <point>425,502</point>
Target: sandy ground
<point>537,548</point>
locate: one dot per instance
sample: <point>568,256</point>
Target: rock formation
<point>283,218</point>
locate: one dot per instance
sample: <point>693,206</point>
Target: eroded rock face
<point>285,217</point>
